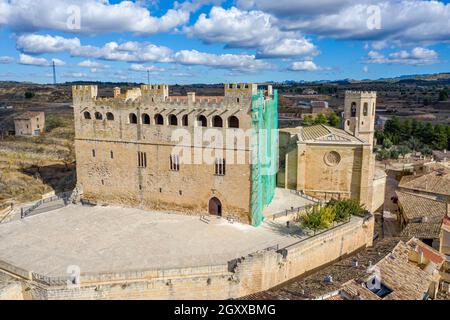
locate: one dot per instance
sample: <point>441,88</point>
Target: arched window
<point>109,116</point>
<point>217,122</point>
<point>185,120</point>
<point>145,118</point>
<point>133,118</point>
<point>233,122</point>
<point>98,116</point>
<point>373,108</point>
<point>353,109</point>
<point>202,121</point>
<point>173,121</point>
<point>366,109</point>
<point>87,115</point>
<point>159,119</point>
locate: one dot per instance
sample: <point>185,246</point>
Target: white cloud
<point>417,56</point>
<point>249,29</point>
<point>306,65</point>
<point>365,69</point>
<point>97,16</point>
<point>226,61</point>
<point>36,61</point>
<point>403,21</point>
<point>6,59</point>
<point>74,75</point>
<point>128,51</point>
<point>143,68</point>
<point>92,64</point>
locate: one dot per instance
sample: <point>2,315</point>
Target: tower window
<point>93,153</point>
<point>173,121</point>
<point>109,116</point>
<point>112,154</point>
<point>185,120</point>
<point>202,121</point>
<point>217,122</point>
<point>98,116</point>
<point>159,120</point>
<point>220,167</point>
<point>174,163</point>
<point>353,109</point>
<point>142,159</point>
<point>233,122</point>
<point>87,115</point>
<point>366,109</point>
<point>373,108</point>
<point>133,118</point>
<point>145,119</point>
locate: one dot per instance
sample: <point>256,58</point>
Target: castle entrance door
<point>215,207</point>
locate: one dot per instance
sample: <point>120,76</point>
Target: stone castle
<point>125,149</point>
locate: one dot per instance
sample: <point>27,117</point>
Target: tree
<point>308,120</point>
<point>440,139</point>
<point>414,144</point>
<point>29,95</point>
<point>387,143</point>
<point>426,150</point>
<point>334,120</point>
<point>394,154</point>
<point>443,95</point>
<point>321,119</point>
<point>403,150</point>
<point>384,154</point>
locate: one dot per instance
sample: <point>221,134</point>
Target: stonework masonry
<point>124,147</point>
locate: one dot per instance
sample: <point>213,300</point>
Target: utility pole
<point>54,73</point>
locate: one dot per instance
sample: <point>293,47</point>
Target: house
<point>29,123</point>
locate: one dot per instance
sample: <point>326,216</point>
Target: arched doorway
<point>215,207</point>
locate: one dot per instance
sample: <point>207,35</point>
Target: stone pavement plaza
<point>114,239</point>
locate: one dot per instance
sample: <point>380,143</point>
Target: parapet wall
<point>247,275</point>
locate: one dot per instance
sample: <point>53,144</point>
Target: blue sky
<point>213,41</point>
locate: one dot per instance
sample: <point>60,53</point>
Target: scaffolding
<point>264,153</point>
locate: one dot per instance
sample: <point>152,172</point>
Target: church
<point>327,162</point>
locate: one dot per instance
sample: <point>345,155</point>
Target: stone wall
<point>246,275</point>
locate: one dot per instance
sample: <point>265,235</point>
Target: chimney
<point>116,92</point>
<point>191,97</point>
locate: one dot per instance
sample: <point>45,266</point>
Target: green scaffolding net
<point>264,153</point>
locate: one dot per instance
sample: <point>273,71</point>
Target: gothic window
<point>87,115</point>
<point>220,167</point>
<point>174,163</point>
<point>217,122</point>
<point>202,121</point>
<point>173,121</point>
<point>98,116</point>
<point>142,159</point>
<point>145,118</point>
<point>233,122</point>
<point>185,120</point>
<point>109,116</point>
<point>133,118</point>
<point>159,120</point>
<point>366,109</point>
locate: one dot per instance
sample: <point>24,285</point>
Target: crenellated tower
<point>155,93</point>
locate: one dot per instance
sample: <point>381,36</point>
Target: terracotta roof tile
<point>415,206</point>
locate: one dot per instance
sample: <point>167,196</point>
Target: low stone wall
<point>246,275</point>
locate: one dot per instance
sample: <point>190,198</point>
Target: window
<point>112,154</point>
<point>145,118</point>
<point>238,100</point>
<point>173,121</point>
<point>142,159</point>
<point>109,116</point>
<point>133,118</point>
<point>366,109</point>
<point>185,120</point>
<point>159,119</point>
<point>220,167</point>
<point>202,121</point>
<point>87,115</point>
<point>174,163</point>
<point>38,126</point>
<point>217,122</point>
<point>353,109</point>
<point>93,153</point>
<point>37,119</point>
<point>98,116</point>
<point>233,122</point>
<point>373,108</point>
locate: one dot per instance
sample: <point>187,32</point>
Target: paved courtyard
<point>104,239</point>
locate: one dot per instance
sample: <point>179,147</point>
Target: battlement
<point>241,89</point>
<point>360,94</point>
<point>84,91</point>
